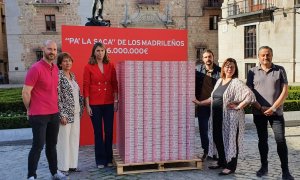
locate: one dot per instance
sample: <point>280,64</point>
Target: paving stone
<point>13,162</point>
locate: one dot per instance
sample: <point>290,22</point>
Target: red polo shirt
<point>100,87</point>
<point>44,80</point>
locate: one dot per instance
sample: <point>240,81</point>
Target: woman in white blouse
<point>70,104</point>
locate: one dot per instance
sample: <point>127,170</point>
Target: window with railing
<point>48,1</point>
<point>214,3</point>
<point>213,22</point>
<point>250,41</point>
<point>232,9</point>
<point>2,11</point>
<point>245,6</point>
<point>248,66</point>
<point>3,30</point>
<point>148,1</point>
<point>50,22</point>
<point>199,52</point>
<point>39,54</point>
<point>3,27</point>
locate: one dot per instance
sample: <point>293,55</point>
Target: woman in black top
<point>227,125</point>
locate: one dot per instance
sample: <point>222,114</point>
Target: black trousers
<point>278,126</point>
<point>203,113</point>
<point>44,129</point>
<point>103,115</point>
<point>218,140</point>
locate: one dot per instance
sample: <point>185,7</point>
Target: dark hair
<point>61,57</point>
<point>265,47</point>
<point>207,51</point>
<point>226,62</point>
<point>93,60</point>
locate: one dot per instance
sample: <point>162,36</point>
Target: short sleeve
<point>283,76</point>
<point>32,76</point>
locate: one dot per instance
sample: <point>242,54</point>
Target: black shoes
<point>215,167</point>
<point>74,170</point>
<point>226,172</point>
<point>204,156</point>
<point>287,176</point>
<point>262,171</point>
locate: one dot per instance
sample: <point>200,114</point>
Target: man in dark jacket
<point>207,75</point>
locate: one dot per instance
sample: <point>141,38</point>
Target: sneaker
<point>262,171</point>
<point>59,176</point>
<point>100,166</point>
<point>287,176</point>
<point>31,178</point>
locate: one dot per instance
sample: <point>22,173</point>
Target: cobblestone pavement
<point>13,162</point>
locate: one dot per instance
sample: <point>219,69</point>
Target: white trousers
<point>68,144</point>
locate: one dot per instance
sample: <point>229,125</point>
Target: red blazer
<point>100,87</point>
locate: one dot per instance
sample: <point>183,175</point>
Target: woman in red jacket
<point>100,89</point>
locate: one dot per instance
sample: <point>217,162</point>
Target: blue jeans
<point>278,125</point>
<point>44,128</point>
<point>203,113</point>
<point>103,147</point>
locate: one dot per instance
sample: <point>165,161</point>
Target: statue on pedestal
<point>97,18</point>
<point>97,9</point>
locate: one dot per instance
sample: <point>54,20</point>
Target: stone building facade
<point>248,24</point>
<point>30,22</point>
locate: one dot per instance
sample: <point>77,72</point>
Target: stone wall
<point>27,25</point>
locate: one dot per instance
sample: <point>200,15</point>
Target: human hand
<point>267,111</point>
<point>27,113</point>
<point>89,110</point>
<point>116,104</point>
<point>196,102</point>
<point>63,121</point>
<point>233,106</point>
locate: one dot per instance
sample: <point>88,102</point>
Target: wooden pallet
<point>160,166</point>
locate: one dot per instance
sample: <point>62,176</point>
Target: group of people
<point>54,106</point>
<point>221,98</point>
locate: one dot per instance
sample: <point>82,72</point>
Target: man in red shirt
<point>41,101</point>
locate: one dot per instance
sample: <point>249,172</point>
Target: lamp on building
<point>284,14</point>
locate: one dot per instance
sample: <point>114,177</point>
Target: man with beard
<point>40,98</point>
<point>270,86</point>
<point>207,74</point>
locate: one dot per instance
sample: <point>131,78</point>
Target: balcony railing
<point>248,6</point>
<point>148,1</point>
<point>214,3</point>
<point>49,1</point>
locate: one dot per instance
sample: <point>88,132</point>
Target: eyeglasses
<point>229,67</point>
